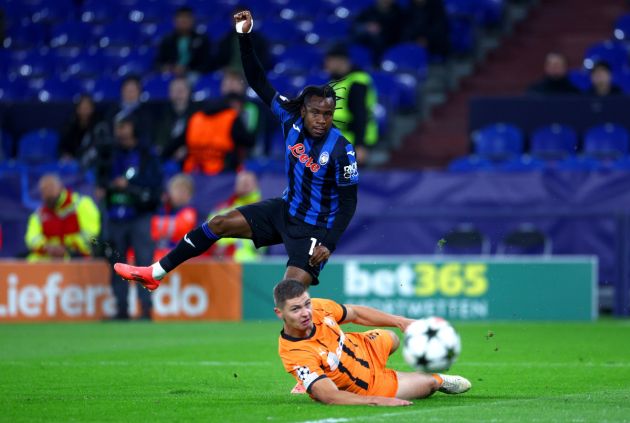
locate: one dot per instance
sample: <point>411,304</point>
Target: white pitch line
<point>543,364</point>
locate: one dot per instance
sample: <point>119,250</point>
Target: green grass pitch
<point>230,372</point>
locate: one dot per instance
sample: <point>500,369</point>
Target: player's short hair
<point>287,290</point>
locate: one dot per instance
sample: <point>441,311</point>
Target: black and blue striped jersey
<point>315,169</point>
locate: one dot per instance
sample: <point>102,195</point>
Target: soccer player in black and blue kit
<point>315,208</point>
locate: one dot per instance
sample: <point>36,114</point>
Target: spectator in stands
<point>601,80</point>
<point>64,226</point>
<point>354,115</point>
<point>246,191</point>
<point>379,26</point>
<point>130,182</point>
<point>78,134</point>
<point>556,80</point>
<point>427,25</point>
<point>254,117</point>
<point>171,127</point>
<point>130,107</point>
<point>216,138</point>
<point>184,51</point>
<point>176,217</point>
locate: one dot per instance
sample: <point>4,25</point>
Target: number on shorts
<point>313,243</point>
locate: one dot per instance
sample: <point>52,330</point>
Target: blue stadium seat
<point>12,89</point>
<point>138,62</point>
<point>606,141</point>
<point>408,58</point>
<point>470,163</point>
<point>53,11</point>
<point>103,89</point>
<point>216,29</point>
<point>148,11</point>
<point>387,88</point>
<point>155,87</point>
<point>31,64</point>
<point>38,146</point>
<point>25,36</point>
<point>522,163</point>
<point>86,66</point>
<point>69,34</point>
<point>55,89</point>
<point>119,34</point>
<point>461,35</point>
<point>464,9</point>
<point>331,30</point>
<point>361,57</point>
<point>622,28</point>
<point>614,53</point>
<point>554,141</point>
<point>622,80</point>
<point>99,12</point>
<point>299,59</point>
<point>574,164</point>
<point>499,141</point>
<point>152,33</point>
<point>282,84</point>
<point>281,32</point>
<point>580,78</point>
<point>207,87</point>
<point>491,11</point>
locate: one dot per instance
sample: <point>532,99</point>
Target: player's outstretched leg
<point>453,384</point>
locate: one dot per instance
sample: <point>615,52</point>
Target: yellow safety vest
<point>343,114</point>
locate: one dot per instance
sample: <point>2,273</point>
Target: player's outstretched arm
<point>324,390</point>
<point>254,72</point>
<point>368,316</point>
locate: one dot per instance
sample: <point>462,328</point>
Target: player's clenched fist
<point>244,22</point>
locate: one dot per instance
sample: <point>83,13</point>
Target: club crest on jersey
<point>297,151</point>
<point>323,158</point>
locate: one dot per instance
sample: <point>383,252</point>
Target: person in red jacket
<point>176,217</point>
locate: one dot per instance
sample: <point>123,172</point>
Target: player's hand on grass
<point>391,402</point>
<point>320,255</point>
<point>246,17</point>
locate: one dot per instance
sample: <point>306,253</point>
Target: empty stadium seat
<point>207,87</point>
<point>38,146</point>
<point>361,57</point>
<point>499,141</point>
<point>622,28</point>
<point>25,36</point>
<point>299,59</point>
<point>103,89</point>
<point>614,53</point>
<point>12,90</point>
<point>69,34</point>
<point>155,87</point>
<point>464,239</point>
<point>99,12</point>
<point>606,141</point>
<point>525,240</point>
<point>554,141</point>
<point>407,57</point>
<point>55,89</point>
<point>522,163</point>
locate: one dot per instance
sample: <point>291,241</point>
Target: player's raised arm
<point>324,390</point>
<point>368,316</point>
<point>254,72</point>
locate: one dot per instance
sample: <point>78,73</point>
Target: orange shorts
<point>379,345</point>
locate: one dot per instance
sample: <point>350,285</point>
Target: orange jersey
<point>355,362</point>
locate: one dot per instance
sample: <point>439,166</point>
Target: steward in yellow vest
<point>64,226</point>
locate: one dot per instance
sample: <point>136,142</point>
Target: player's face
<point>297,314</point>
<point>317,114</point>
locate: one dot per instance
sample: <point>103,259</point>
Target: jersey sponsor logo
<point>351,171</point>
<point>323,158</point>
<point>297,151</point>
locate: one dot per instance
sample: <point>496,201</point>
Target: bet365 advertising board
<point>463,289</point>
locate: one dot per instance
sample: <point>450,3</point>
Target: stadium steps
<point>569,26</point>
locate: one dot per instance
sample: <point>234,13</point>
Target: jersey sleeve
<point>305,366</point>
<point>278,111</point>
<point>336,310</point>
<point>347,172</point>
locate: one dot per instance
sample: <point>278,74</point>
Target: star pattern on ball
<point>422,361</point>
<point>430,333</point>
<point>450,353</point>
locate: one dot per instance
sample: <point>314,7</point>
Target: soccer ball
<point>431,345</point>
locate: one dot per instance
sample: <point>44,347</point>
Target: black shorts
<point>272,224</point>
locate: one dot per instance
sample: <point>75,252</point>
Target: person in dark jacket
<point>379,26</point>
<point>556,80</point>
<point>184,50</point>
<point>130,183</point>
<point>77,137</point>
<point>427,25</point>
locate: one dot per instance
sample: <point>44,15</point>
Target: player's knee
<point>395,341</point>
<point>219,225</point>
